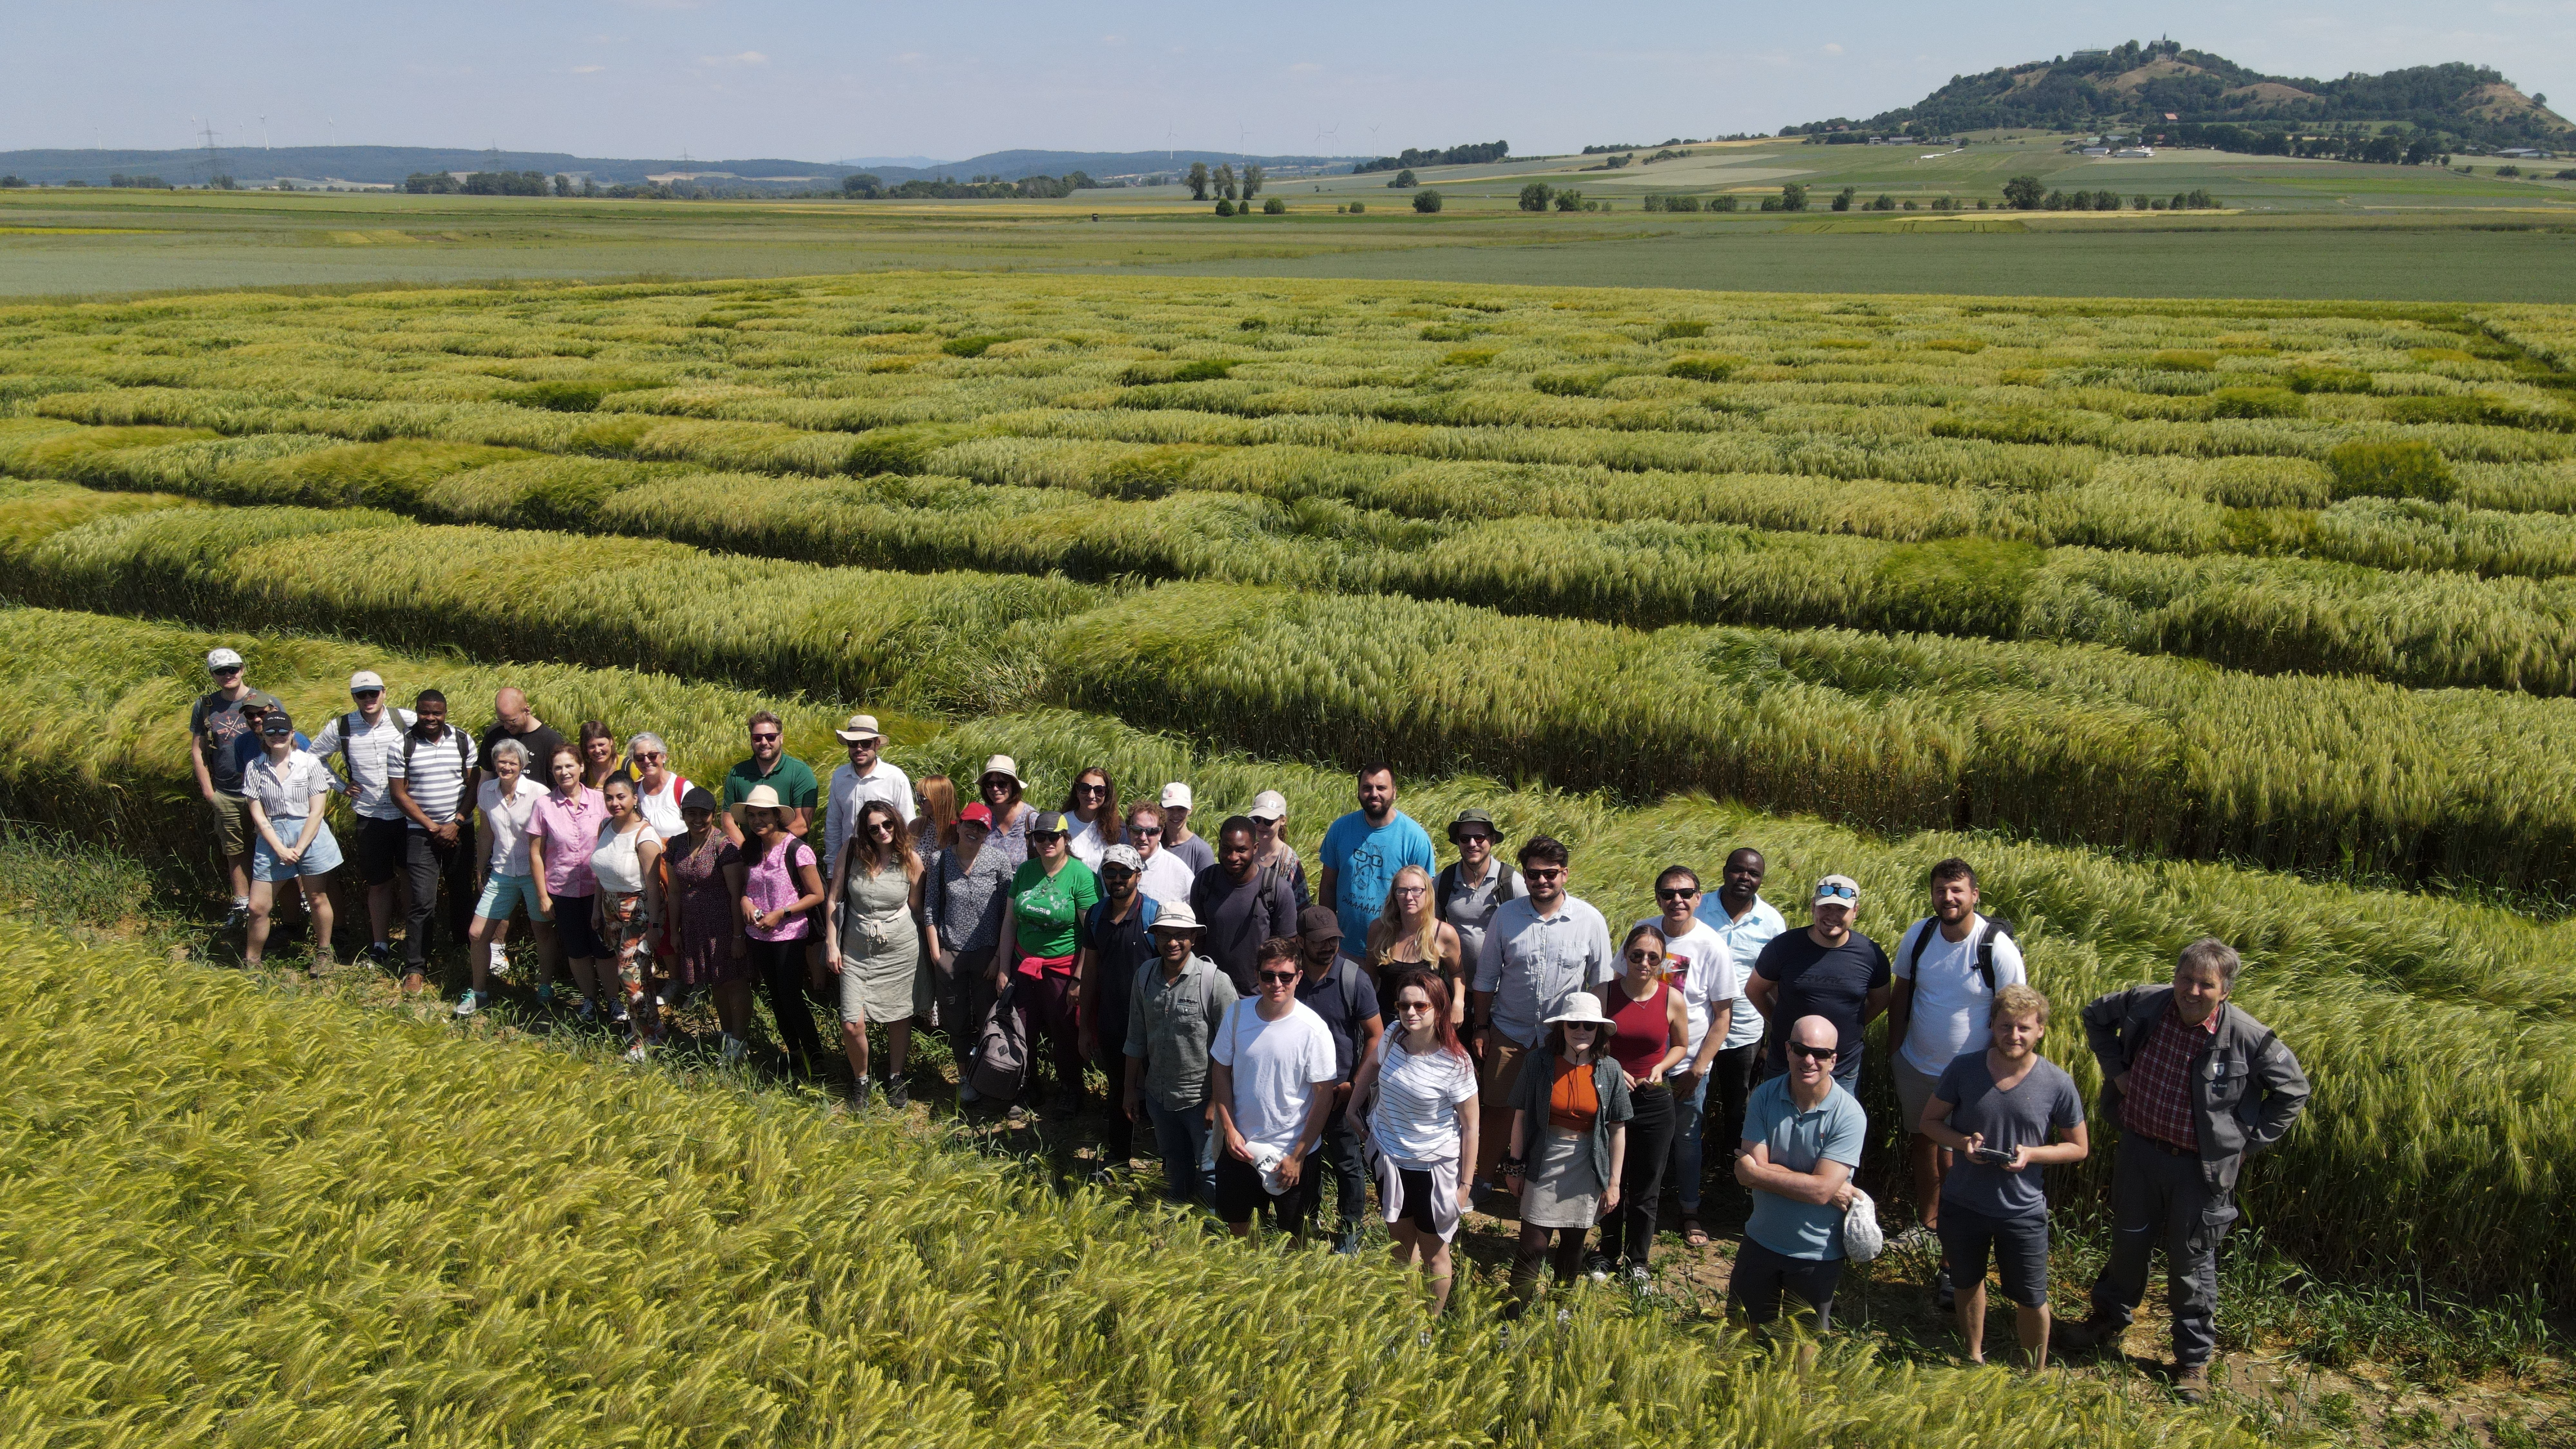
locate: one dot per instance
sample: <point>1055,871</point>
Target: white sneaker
<point>469,1003</point>
<point>637,1053</point>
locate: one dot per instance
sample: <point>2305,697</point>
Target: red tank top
<point>1640,1031</point>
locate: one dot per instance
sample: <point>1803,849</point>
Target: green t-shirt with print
<point>1050,905</point>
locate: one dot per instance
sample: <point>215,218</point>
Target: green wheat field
<point>2232,617</point>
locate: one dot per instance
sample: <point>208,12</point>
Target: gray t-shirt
<point>2008,1119</point>
<point>1194,852</point>
<point>1471,908</point>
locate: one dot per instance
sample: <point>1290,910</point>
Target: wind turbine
<point>263,135</point>
<point>335,130</point>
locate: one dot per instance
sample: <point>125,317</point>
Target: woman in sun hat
<point>1569,1141</point>
<point>288,790</point>
<point>1000,788</point>
<point>781,884</point>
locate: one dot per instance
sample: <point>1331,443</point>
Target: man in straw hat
<point>868,776</point>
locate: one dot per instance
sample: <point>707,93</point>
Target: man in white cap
<point>1826,970</point>
<point>868,776</point>
<point>216,727</point>
<point>365,738</point>
<point>1193,850</point>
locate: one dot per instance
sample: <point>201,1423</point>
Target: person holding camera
<point>1995,1109</point>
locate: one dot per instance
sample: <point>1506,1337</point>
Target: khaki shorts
<point>1913,1092</point>
<point>232,824</point>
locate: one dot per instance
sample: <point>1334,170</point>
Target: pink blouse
<point>570,831</point>
<point>770,885</point>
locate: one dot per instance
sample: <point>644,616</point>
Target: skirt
<point>1561,1189</point>
<point>626,936</point>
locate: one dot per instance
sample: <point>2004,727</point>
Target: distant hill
<point>384,165</point>
<point>2160,81</point>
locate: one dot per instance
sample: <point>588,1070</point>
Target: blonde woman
<point>626,910</point>
<point>1410,936</point>
<point>872,942</point>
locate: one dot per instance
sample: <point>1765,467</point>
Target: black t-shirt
<point>542,742</point>
<point>1344,998</point>
<point>1833,982</point>
<point>1238,918</point>
<point>1124,946</point>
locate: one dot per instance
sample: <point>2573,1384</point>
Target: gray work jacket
<point>2246,1087</point>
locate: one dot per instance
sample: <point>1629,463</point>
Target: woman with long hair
<point>780,885</point>
<point>1092,804</point>
<point>1409,935</point>
<point>627,910</point>
<point>1569,1135</point>
<point>872,942</point>
<point>1424,1125</point>
<point>705,871</point>
<point>1649,1031</point>
<point>288,789</point>
<point>598,746</point>
<point>934,814</point>
<point>507,801</point>
<point>562,832</point>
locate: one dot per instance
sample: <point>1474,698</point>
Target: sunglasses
<point>1813,1053</point>
<point>1409,1007</point>
<point>770,738</point>
<point>885,825</point>
<point>1091,789</point>
<point>1544,872</point>
<point>1837,893</point>
<point>366,693</point>
<point>1644,958</point>
<point>1144,830</point>
<point>1582,1026</point>
<point>1043,836</point>
<point>656,756</point>
<point>224,669</point>
<point>1677,895</point>
<point>1278,978</point>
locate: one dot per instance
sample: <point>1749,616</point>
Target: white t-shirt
<point>1089,845</point>
<point>286,791</point>
<point>1950,999</point>
<point>1278,1067</point>
<point>1709,974</point>
<point>509,823</point>
<point>1415,1121</point>
<point>1167,878</point>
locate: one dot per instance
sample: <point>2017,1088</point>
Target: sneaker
<point>1019,1115</point>
<point>858,1093</point>
<point>1913,1238</point>
<point>617,1013</point>
<point>1945,1294</point>
<point>2191,1383</point>
<point>380,953</point>
<point>545,993</point>
<point>238,918</point>
<point>637,1053</point>
<point>966,1092</point>
<point>588,1011</point>
<point>735,1049</point>
<point>1639,1276</point>
<point>1347,1245</point>
<point>898,1093</point>
<point>1596,1267</point>
<point>469,1003</point>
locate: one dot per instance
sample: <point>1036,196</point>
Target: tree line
<point>868,186</point>
<point>1470,155</point>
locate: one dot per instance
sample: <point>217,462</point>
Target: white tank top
<point>662,807</point>
<point>619,869</point>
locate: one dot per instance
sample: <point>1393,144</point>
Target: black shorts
<point>382,846</point>
<point>2020,1247</point>
<point>1239,1193</point>
<point>1418,1196</point>
<point>1761,1276</point>
<point>574,931</point>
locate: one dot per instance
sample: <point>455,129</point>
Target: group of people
<point>1237,996</point>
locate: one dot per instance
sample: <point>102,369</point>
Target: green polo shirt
<point>792,780</point>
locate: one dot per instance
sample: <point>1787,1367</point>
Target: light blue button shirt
<point>1533,962</point>
<point>1745,936</point>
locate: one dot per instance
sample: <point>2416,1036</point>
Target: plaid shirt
<point>2157,1099</point>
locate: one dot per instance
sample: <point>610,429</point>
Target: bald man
<point>1802,1137</point>
<point>514,719</point>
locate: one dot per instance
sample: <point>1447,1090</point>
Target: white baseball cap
<point>222,659</point>
<point>365,679</point>
<point>1176,796</point>
<point>1269,805</point>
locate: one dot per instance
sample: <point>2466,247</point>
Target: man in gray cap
<point>1827,970</point>
<point>216,726</point>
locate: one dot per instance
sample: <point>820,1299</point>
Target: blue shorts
<point>320,858</point>
<point>503,894</point>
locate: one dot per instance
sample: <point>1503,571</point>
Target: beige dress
<point>880,946</point>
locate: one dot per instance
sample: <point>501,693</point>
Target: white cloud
<point>588,69</point>
<point>1833,47</point>
<point>747,57</point>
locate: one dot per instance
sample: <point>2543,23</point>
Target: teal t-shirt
<point>1051,906</point>
<point>1798,1141</point>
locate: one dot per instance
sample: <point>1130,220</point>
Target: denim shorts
<point>503,894</point>
<point>320,858</point>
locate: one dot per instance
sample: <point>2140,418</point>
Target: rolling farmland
<point>2255,619</point>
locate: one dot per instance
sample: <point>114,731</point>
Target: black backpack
<point>1995,926</point>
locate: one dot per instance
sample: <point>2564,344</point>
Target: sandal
<point>1693,1235</point>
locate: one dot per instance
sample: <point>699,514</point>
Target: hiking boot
<point>898,1093</point>
<point>858,1093</point>
<point>2191,1383</point>
<point>2085,1335</point>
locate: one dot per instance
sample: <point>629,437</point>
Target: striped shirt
<point>435,772</point>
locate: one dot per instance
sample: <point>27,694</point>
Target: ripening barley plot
<point>236,1217</point>
<point>2480,1089</point>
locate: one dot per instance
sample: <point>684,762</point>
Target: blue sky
<point>820,81</point>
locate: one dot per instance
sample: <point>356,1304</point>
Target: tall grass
<point>2438,1033</point>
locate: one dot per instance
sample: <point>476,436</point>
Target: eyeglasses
<point>1414,891</point>
<point>1812,1053</point>
<point>1644,958</point>
<point>1676,895</point>
<point>1277,978</point>
<point>1837,893</point>
<point>764,739</point>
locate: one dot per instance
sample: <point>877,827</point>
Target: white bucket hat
<point>1177,916</point>
<point>1580,1006</point>
<point>1002,765</point>
<point>861,727</point>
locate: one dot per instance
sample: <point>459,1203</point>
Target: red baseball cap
<point>977,813</point>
